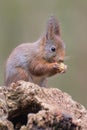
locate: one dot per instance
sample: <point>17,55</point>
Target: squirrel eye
<point>53,49</point>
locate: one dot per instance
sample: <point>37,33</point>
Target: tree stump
<point>26,106</point>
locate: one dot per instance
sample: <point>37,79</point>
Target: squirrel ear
<point>50,30</point>
<point>53,28</point>
<point>56,27</point>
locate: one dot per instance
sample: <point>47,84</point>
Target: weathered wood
<point>30,107</point>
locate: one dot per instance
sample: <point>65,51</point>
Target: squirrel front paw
<point>60,67</point>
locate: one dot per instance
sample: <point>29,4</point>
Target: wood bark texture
<point>26,106</point>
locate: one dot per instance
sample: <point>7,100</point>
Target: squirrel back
<point>36,61</point>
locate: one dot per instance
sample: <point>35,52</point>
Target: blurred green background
<point>25,20</point>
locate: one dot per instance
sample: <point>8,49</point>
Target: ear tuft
<point>53,28</point>
<point>50,29</point>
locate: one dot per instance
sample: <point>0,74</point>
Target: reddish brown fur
<point>40,67</point>
<point>36,62</point>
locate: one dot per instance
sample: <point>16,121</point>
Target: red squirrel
<point>34,62</point>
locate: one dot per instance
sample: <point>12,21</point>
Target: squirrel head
<point>54,48</point>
